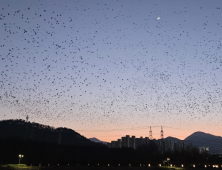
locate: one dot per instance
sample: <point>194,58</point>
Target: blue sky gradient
<point>110,68</point>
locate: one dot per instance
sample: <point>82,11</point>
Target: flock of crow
<point>112,64</point>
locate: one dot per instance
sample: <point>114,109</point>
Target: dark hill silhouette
<point>21,129</point>
<point>175,140</point>
<point>200,139</point>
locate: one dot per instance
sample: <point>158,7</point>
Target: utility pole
<point>26,122</point>
<point>150,136</point>
<point>31,133</point>
<point>60,136</point>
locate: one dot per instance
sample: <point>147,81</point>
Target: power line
<point>125,129</point>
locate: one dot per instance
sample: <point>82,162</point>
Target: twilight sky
<point>108,68</point>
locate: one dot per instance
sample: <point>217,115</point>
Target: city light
<point>205,166</point>
<point>108,164</point>
<point>171,165</point>
<point>129,165</point>
<point>148,165</point>
<point>182,165</point>
<point>193,165</point>
<point>159,164</point>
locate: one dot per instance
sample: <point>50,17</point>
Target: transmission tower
<point>161,133</point>
<point>150,136</point>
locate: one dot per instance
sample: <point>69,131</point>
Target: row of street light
<point>148,165</point>
<point>168,159</point>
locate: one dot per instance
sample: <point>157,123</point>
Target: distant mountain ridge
<point>20,129</point>
<point>173,139</point>
<point>201,139</point>
<point>97,140</point>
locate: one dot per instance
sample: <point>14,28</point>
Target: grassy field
<point>22,167</point>
<point>17,167</point>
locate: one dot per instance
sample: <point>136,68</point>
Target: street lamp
<point>168,159</point>
<point>20,156</point>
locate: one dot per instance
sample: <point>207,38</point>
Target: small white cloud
<point>158,18</point>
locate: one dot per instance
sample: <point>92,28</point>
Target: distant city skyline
<point>107,68</point>
<point>163,145</point>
